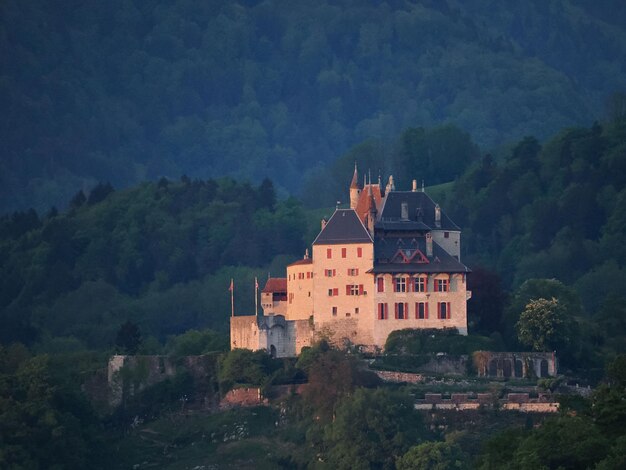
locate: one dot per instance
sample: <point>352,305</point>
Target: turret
<point>355,190</point>
<point>371,214</point>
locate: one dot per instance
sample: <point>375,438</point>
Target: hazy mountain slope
<point>126,90</point>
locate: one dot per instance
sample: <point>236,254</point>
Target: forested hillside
<point>160,255</point>
<point>129,90</point>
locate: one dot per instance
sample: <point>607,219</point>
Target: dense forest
<point>513,115</point>
<point>132,90</point>
<point>147,269</point>
<point>160,254</point>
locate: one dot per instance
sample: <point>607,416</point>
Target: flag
<point>232,286</point>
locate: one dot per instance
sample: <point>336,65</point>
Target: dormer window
<point>399,284</point>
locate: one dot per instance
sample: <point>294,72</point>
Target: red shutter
<point>426,284</point>
<point>448,311</point>
<point>406,310</point>
<point>329,252</point>
<point>426,310</point>
<point>343,252</point>
<point>395,286</point>
<point>417,310</point>
<point>381,284</point>
<point>359,252</point>
<point>348,289</point>
<point>439,310</point>
<point>360,289</point>
<point>396,310</point>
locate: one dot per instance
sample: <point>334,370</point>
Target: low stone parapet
<point>399,377</point>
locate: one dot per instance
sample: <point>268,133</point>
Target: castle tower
<point>355,190</point>
<point>371,215</point>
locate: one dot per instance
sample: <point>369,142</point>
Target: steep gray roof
<point>388,260</point>
<point>421,213</point>
<point>343,227</point>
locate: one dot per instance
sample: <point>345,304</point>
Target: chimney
<point>306,254</point>
<point>323,224</point>
<point>390,186</point>
<point>429,245</point>
<point>404,214</point>
<point>437,216</point>
<point>414,186</point>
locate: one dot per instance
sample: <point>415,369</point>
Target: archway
<point>544,368</point>
<point>506,368</point>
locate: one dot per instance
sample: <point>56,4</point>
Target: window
<point>300,275</point>
<point>383,312</point>
<point>353,272</point>
<point>446,234</point>
<point>356,310</point>
<point>402,311</point>
<point>442,285</point>
<point>359,252</point>
<point>421,310</point>
<point>329,272</point>
<point>309,275</point>
<point>380,282</point>
<point>333,292</point>
<point>354,289</point>
<point>419,284</point>
<point>329,253</point>
<point>400,284</point>
<point>443,310</point>
<point>334,311</point>
<point>343,252</point>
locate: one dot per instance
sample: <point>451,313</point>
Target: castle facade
<point>389,262</point>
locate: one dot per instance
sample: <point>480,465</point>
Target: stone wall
<point>399,377</point>
<point>464,401</point>
<point>249,396</point>
<point>515,364</point>
<point>129,375</point>
<point>274,334</point>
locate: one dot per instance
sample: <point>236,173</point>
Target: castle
<point>389,262</point>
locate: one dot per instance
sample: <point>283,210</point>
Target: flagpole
<point>232,297</point>
<point>256,297</point>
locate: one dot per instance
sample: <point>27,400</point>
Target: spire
<point>355,190</point>
<point>355,179</point>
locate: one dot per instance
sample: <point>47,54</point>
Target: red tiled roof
<point>363,204</point>
<point>275,284</point>
<point>301,261</point>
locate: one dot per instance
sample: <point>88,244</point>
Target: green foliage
<point>128,338</point>
<point>160,256</point>
<point>434,455</point>
<point>194,342</point>
<point>43,423</point>
<point>244,367</point>
<point>542,325</point>
<point>432,341</point>
<point>372,429</point>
